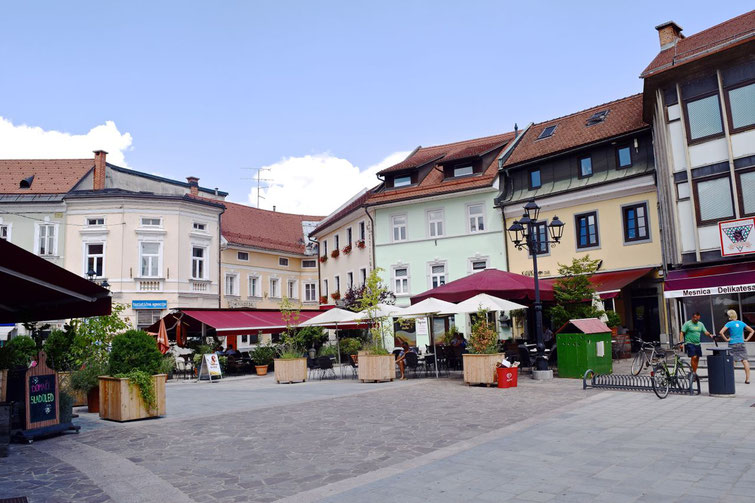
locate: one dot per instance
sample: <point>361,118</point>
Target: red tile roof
<point>624,116</point>
<point>434,182</point>
<point>353,205</point>
<point>733,32</point>
<point>51,176</point>
<point>450,152</point>
<point>270,230</point>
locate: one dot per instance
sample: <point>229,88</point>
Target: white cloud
<point>316,184</point>
<point>27,142</point>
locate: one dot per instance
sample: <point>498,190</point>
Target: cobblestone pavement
<point>252,440</point>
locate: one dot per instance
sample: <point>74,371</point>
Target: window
<point>402,181</point>
<point>635,222</point>
<point>336,242</point>
<point>398,223</point>
<point>325,287</point>
<point>5,232</point>
<point>463,171</point>
<point>479,265</point>
<point>308,263</point>
<point>47,241</point>
<point>198,268</point>
<point>547,132</point>
<point>596,118</point>
<point>325,248</point>
<point>242,255</point>
<point>624,156</point>
<point>713,199</point>
<point>348,236</point>
<point>275,291</point>
<point>94,257</point>
<point>231,284</point>
<point>254,286</point>
<point>741,107</point>
<point>338,284</point>
<point>282,261</point>
<point>363,276</point>
<point>362,231</point>
<point>585,167</point>
<point>244,339</point>
<point>587,230</point>
<point>292,293</point>
<point>747,186</point>
<point>437,275</point>
<point>435,223</point>
<point>149,254</point>
<point>310,293</point>
<point>200,227</point>
<point>541,237</point>
<point>703,117</point>
<point>349,280</point>
<point>401,280</point>
<point>534,178</point>
<point>151,222</point>
<point>147,317</point>
<point>95,221</point>
<point>476,217</point>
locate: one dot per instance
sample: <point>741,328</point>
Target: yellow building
<point>266,256</point>
<point>594,170</point>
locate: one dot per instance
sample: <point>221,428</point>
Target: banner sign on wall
<point>737,236</point>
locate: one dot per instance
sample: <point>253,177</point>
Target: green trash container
<point>581,345</point>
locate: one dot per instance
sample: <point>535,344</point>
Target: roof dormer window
<point>463,170</point>
<point>547,132</point>
<point>26,182</point>
<point>402,181</point>
<point>596,118</point>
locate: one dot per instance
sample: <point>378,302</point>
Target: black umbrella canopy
<point>33,289</point>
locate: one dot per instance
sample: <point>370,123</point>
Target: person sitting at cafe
<point>459,341</point>
<point>401,358</point>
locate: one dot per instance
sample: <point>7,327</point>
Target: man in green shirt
<point>690,336</point>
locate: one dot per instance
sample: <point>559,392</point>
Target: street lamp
<point>524,234</point>
<point>91,274</point>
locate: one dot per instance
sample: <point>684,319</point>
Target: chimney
<point>516,130</point>
<point>193,185</point>
<point>273,207</point>
<point>99,170</point>
<point>669,33</point>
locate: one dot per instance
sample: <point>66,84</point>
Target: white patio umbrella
<point>333,317</point>
<point>484,301</point>
<point>382,311</point>
<point>429,307</point>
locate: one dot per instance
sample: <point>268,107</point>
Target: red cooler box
<point>507,377</point>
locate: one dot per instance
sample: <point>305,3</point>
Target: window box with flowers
<point>335,253</point>
<point>347,249</point>
<point>323,259</point>
<point>323,299</point>
<point>361,244</point>
<point>335,295</point>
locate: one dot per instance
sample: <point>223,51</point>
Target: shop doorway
<point>646,320</point>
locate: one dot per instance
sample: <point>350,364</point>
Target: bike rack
<point>636,383</point>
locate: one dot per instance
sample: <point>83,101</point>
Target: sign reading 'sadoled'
<point>713,290</point>
<point>737,236</point>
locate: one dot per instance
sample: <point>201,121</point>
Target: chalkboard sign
<point>41,395</point>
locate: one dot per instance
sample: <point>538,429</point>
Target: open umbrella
<point>483,301</point>
<point>332,317</point>
<point>162,338</point>
<point>429,307</point>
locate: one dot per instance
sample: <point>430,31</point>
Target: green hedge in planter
<point>134,350</point>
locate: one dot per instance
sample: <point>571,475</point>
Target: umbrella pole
<point>432,342</point>
<point>338,348</point>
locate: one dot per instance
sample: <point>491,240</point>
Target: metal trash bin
<point>720,373</point>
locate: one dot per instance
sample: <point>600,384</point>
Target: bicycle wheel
<point>683,372</point>
<point>638,363</point>
<point>660,379</point>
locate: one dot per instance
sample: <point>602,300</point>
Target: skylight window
<point>547,132</point>
<point>596,118</point>
<point>402,181</point>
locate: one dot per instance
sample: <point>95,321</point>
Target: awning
<point>609,284</point>
<point>34,289</point>
<point>713,280</point>
<point>502,284</point>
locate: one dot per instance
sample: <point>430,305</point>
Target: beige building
<point>344,239</point>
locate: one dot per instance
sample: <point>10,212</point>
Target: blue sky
<point>210,88</point>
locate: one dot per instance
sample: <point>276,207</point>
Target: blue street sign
<point>149,304</point>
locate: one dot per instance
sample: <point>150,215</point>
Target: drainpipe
<point>372,241</point>
<point>319,274</point>
<point>220,260</point>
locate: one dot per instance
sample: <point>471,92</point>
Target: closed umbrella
<point>429,307</point>
<point>162,338</point>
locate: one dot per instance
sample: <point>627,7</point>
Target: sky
<point>321,94</point>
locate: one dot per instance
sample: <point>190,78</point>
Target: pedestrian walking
<point>737,340</point>
<point>690,336</point>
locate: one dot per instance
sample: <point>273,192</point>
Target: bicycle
<point>678,375</point>
<point>644,360</point>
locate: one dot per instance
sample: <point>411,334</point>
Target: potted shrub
<point>613,320</point>
<point>133,390</point>
<point>86,381</point>
<point>376,364</point>
<point>16,356</point>
<point>323,259</point>
<point>290,366</point>
<point>480,362</point>
<point>262,356</point>
<point>347,249</point>
<point>59,347</point>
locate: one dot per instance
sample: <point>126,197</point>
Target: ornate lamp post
<point>524,235</point>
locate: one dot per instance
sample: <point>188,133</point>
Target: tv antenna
<point>260,182</point>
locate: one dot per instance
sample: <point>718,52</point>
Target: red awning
<point>235,322</point>
<point>34,289</point>
<point>502,284</point>
<point>609,284</point>
<point>713,280</point>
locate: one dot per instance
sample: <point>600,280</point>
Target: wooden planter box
<point>64,381</point>
<point>121,401</point>
<point>376,368</point>
<point>480,369</point>
<point>290,371</point>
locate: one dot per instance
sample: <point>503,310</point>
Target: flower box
<point>481,369</point>
<point>335,253</point>
<point>120,400</point>
<point>290,371</point>
<point>347,249</point>
<point>376,368</point>
<point>323,299</point>
<point>335,295</point>
<point>323,259</point>
<point>361,244</point>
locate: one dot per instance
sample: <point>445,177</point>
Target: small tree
<point>483,339</point>
<point>372,295</point>
<point>574,292</point>
<point>290,316</point>
<point>95,334</point>
<point>354,295</point>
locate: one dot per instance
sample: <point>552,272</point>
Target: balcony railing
<point>150,285</point>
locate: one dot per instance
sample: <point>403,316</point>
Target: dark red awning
<point>502,284</point>
<point>34,289</point>
<point>712,280</point>
<point>609,284</point>
<point>233,322</point>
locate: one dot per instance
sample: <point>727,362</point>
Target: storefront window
<point>721,304</point>
<point>748,308</point>
<point>700,305</point>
